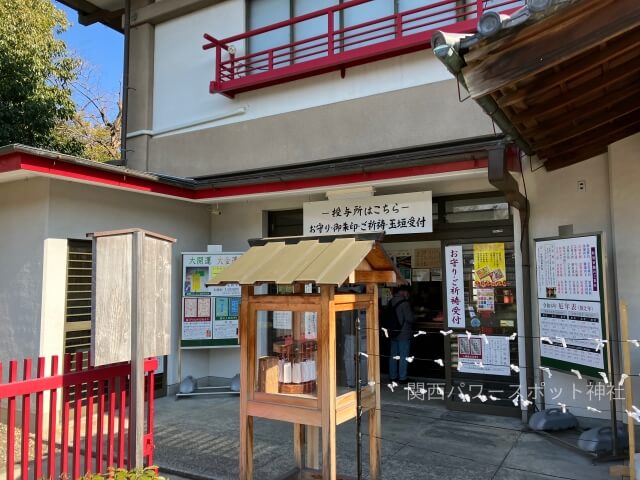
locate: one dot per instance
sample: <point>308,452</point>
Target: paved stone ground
<point>197,438</point>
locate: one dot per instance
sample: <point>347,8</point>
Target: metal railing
<point>340,46</point>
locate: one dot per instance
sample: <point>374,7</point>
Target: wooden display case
<point>288,369</point>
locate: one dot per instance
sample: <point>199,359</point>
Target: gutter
<point>446,49</point>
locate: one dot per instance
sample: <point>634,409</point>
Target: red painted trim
<point>88,174</point>
<point>341,179</point>
<point>10,162</point>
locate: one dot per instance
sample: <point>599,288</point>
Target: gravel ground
<point>17,450</point>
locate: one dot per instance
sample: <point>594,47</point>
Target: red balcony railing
<point>339,46</point>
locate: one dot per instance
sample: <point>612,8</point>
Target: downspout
<point>445,48</point>
<point>125,84</point>
<point>501,178</point>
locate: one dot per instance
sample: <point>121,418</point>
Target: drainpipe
<point>501,178</point>
<point>445,47</point>
<point>125,84</point>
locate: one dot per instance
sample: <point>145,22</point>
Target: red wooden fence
<point>91,433</point>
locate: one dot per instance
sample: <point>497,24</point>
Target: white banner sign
<point>455,286</point>
<point>393,214</point>
<point>484,355</point>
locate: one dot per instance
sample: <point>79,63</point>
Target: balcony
<point>338,47</point>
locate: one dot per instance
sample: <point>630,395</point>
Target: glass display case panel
<point>346,352</point>
<point>287,353</point>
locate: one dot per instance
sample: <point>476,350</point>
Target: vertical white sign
<point>455,286</point>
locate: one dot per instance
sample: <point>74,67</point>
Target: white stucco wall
<point>625,177</point>
<point>555,200</point>
<point>179,42</point>
<point>23,220</point>
<point>76,209</point>
<point>54,290</point>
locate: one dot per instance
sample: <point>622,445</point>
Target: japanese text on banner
<point>455,286</point>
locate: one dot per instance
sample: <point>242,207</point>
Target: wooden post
<point>312,440</point>
<point>373,347</point>
<point>136,407</point>
<point>328,379</point>
<point>298,445</point>
<point>246,421</point>
<point>628,387</point>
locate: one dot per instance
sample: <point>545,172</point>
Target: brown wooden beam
<point>162,11</point>
<point>375,276</point>
<point>624,111</point>
<point>589,139</point>
<point>589,150</point>
<point>524,55</point>
<point>611,79</point>
<point>578,156</point>
<point>575,68</point>
<point>103,16</point>
<point>563,122</point>
<point>86,9</point>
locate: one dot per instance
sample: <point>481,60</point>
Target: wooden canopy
<point>323,261</point>
<point>564,83</point>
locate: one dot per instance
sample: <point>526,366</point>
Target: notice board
<point>571,303</point>
<point>209,314</point>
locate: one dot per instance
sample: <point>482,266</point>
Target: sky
<point>100,46</point>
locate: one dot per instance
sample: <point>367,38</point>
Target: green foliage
<point>148,473</point>
<point>35,75</point>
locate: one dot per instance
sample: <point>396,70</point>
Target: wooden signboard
<point>130,264</point>
<point>131,311</point>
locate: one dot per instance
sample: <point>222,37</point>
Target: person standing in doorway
<point>401,344</point>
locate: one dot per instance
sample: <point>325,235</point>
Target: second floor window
<point>262,13</point>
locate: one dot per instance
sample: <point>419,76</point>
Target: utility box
<point>291,314</point>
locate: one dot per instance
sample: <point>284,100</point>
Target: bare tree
<point>97,121</point>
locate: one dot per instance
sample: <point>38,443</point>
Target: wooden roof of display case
<point>319,260</point>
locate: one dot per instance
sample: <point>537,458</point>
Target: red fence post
<point>11,423</point>
<point>150,419</point>
<point>122,413</point>
<point>37,460</point>
<point>77,418</point>
<point>112,421</point>
<point>88,437</point>
<point>479,8</point>
<point>53,423</point>
<point>26,420</point>
<point>64,440</point>
<point>100,427</point>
